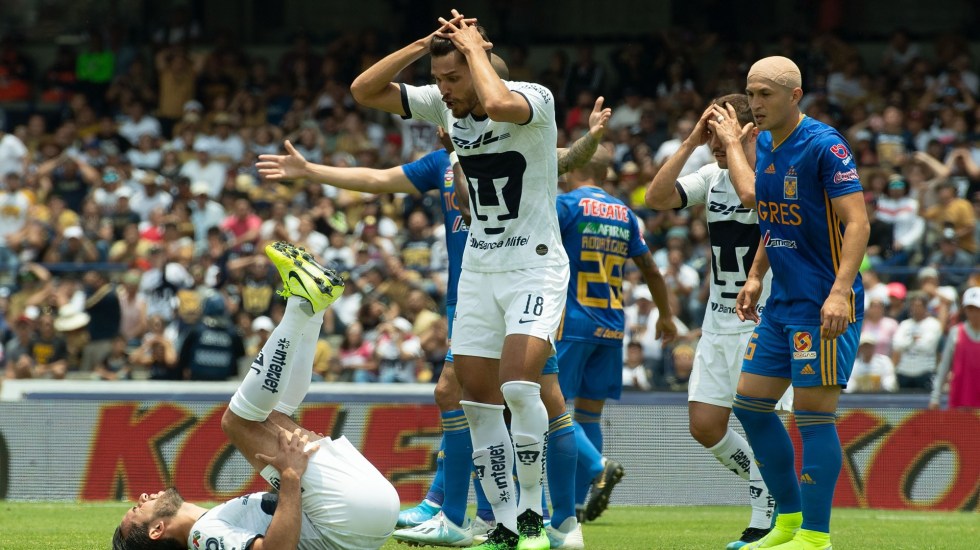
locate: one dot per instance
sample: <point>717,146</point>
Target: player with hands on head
<point>727,188</point>
<point>515,272</point>
<point>815,230</point>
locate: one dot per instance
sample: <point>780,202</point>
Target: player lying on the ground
<point>329,496</point>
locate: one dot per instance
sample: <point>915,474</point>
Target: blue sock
<point>457,465</point>
<point>437,488</point>
<point>483,509</point>
<point>588,437</point>
<point>821,466</point>
<point>562,458</point>
<point>772,448</point>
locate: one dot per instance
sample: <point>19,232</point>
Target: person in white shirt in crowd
<point>281,225</point>
<point>398,351</point>
<point>879,326</point>
<point>700,157</point>
<point>627,113</point>
<point>14,206</point>
<point>961,358</point>
<point>138,123</point>
<point>151,197</point>
<point>226,145</point>
<point>902,211</point>
<point>916,344</point>
<point>873,371</point>
<point>14,156</point>
<point>204,168</point>
<point>635,375</point>
<point>641,323</point>
<point>146,155</point>
<point>205,212</point>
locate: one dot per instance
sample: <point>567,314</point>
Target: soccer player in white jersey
<point>515,271</point>
<point>727,189</point>
<point>329,496</point>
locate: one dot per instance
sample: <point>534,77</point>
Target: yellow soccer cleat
<point>783,531</point>
<point>807,540</point>
<point>302,276</point>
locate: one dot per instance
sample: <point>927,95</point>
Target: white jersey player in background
<point>515,270</point>
<point>727,189</point>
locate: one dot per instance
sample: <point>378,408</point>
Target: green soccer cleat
<point>530,527</point>
<point>501,538</point>
<point>782,532</point>
<point>807,540</point>
<point>302,276</point>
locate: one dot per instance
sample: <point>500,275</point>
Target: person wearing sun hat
<point>961,357</point>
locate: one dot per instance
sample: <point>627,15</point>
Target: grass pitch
<point>88,526</point>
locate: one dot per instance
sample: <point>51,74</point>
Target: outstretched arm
<point>293,166</point>
<point>584,147</point>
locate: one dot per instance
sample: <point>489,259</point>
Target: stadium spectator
<point>873,371</point>
<point>357,361</point>
<point>116,364</point>
<point>399,353</point>
<point>961,359</point>
<point>101,304</point>
<point>212,348</point>
<point>954,213</point>
<point>877,324</point>
<point>915,345</point>
<point>954,263</point>
<point>899,209</point>
<point>636,375</point>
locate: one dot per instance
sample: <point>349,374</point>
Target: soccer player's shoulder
<point>531,87</point>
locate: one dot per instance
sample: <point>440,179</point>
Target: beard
<point>168,504</point>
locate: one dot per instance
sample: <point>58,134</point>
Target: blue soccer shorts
<point>589,371</point>
<point>797,352</point>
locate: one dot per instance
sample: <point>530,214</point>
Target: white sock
<point>301,371</point>
<point>493,459</point>
<point>529,428</point>
<point>734,453</point>
<point>763,505</point>
<point>261,389</point>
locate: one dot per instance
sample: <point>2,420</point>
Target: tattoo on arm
<point>577,154</point>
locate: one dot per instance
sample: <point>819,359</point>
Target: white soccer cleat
<point>480,527</point>
<point>438,531</point>
<point>567,537</point>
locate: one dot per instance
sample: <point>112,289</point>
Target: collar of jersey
<point>798,122</point>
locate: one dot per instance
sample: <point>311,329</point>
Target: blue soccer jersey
<point>433,172</point>
<point>599,234</point>
<point>803,237</point>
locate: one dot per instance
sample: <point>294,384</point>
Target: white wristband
<point>453,158</point>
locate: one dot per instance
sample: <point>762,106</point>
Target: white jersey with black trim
<point>236,523</point>
<point>512,174</point>
<point>734,237</point>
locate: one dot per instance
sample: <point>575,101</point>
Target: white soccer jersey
<point>236,523</point>
<point>512,170</point>
<point>734,237</point>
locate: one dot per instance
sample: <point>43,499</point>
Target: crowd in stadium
<point>133,219</point>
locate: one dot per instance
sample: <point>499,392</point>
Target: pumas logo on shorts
<point>803,344</point>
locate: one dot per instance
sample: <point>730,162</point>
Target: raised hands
<point>282,167</point>
<point>723,121</point>
<point>598,118</point>
<point>462,32</point>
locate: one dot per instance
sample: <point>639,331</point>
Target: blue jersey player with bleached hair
<point>814,233</point>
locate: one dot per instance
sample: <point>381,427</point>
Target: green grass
<point>73,526</point>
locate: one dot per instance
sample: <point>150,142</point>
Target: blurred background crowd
<point>133,221</point>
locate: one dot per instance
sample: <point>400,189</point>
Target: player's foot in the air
<point>302,276</point>
<point>418,514</point>
<point>438,531</point>
<point>782,532</point>
<point>751,534</point>
<point>501,538</point>
<point>568,536</point>
<point>602,487</point>
<point>530,527</point>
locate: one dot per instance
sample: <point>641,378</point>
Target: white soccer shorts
<point>494,305</point>
<point>717,366</point>
<point>346,498</point>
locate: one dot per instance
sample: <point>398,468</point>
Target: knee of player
<point>447,398</point>
<point>708,434</point>
<point>231,423</point>
<point>520,394</point>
